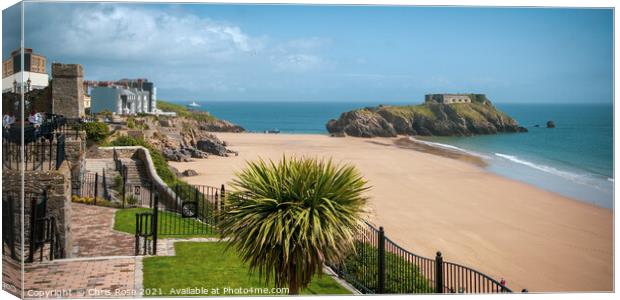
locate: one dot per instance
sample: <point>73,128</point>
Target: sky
<point>329,53</point>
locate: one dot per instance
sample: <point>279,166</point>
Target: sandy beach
<point>426,202</point>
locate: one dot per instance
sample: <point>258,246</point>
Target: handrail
<point>366,269</point>
<point>150,169</point>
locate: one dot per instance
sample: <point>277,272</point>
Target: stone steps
<point>136,172</point>
<point>98,165</point>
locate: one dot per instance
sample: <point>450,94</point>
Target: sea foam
<point>577,178</point>
<point>449,147</point>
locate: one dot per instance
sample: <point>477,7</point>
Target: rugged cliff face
<point>425,119</point>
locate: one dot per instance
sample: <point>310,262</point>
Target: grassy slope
<point>182,111</point>
<point>471,111</point>
<point>208,265</point>
<point>125,221</point>
<point>409,110</point>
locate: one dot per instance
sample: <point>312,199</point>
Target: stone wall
<point>75,153</point>
<point>144,155</point>
<point>449,99</point>
<point>67,90</point>
<point>57,183</point>
<point>108,152</point>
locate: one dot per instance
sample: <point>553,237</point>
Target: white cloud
<point>140,34</point>
<point>177,49</point>
<point>144,35</point>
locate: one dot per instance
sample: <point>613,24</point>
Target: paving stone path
<point>90,278</point>
<point>92,233</point>
<point>11,276</point>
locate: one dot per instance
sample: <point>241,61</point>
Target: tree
<point>96,131</point>
<point>287,219</point>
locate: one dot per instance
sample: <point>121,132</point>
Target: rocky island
<point>439,115</point>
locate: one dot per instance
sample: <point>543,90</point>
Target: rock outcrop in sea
<point>428,119</point>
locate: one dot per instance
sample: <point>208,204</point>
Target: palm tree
<point>287,219</point>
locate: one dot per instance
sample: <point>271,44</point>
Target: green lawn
<point>125,221</point>
<point>204,267</point>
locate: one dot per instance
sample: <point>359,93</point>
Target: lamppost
<point>16,102</point>
<point>27,104</point>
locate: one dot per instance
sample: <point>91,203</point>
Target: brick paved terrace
<point>93,235</point>
<point>90,278</point>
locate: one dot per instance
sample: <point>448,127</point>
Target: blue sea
<point>574,159</point>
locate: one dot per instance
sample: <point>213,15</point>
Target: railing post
<point>124,175</point>
<point>381,261</point>
<point>52,233</point>
<point>104,185</point>
<point>151,194</point>
<point>96,188</point>
<point>33,224</point>
<point>154,225</point>
<point>438,273</point>
<point>51,147</point>
<point>176,195</point>
<point>137,235</point>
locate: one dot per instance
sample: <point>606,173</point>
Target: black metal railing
<point>71,127</point>
<point>380,266</point>
<point>60,150</point>
<point>460,279</point>
<point>10,222</point>
<point>90,187</point>
<point>43,146</point>
<point>118,164</point>
<point>188,209</point>
<point>145,236</point>
<point>41,231</point>
<point>183,210</point>
<point>104,184</point>
<point>45,234</point>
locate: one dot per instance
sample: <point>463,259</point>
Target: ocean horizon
<point>575,159</point>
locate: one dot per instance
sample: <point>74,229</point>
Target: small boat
<point>274,131</point>
<point>193,104</point>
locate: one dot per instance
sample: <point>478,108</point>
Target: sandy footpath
<point>533,238</point>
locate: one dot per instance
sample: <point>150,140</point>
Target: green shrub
<point>131,122</point>
<point>96,131</point>
<point>118,184</point>
<point>91,201</point>
<point>401,276</point>
<point>131,200</point>
<point>287,218</point>
<point>106,113</point>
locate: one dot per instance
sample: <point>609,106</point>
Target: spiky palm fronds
<point>287,218</point>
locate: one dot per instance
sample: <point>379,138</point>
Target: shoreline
<point>426,202</point>
<point>420,144</point>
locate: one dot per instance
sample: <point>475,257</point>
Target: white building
<point>124,97</point>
